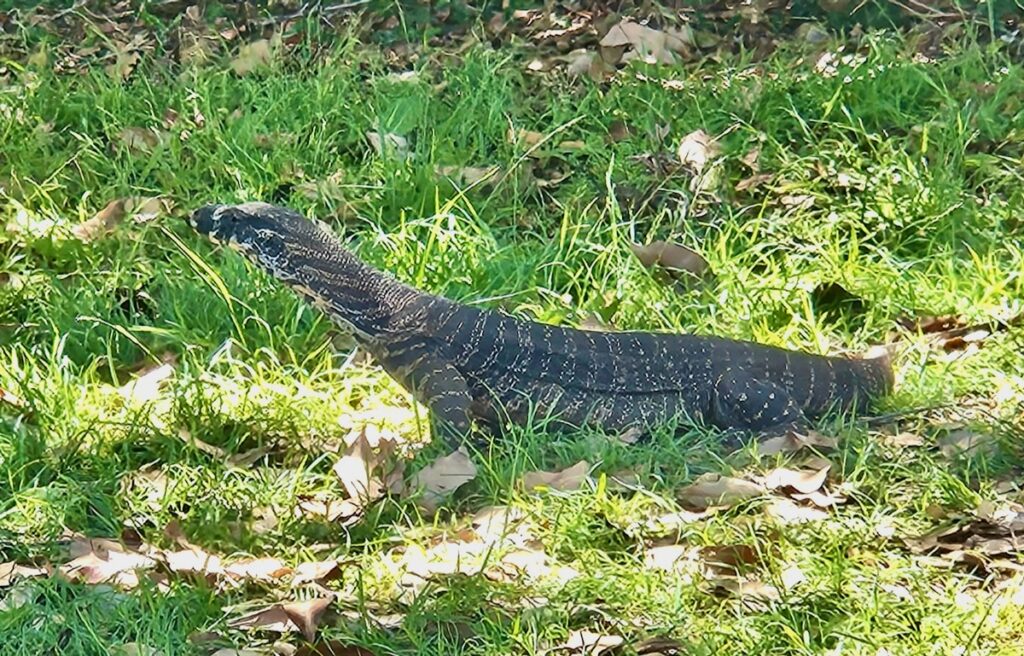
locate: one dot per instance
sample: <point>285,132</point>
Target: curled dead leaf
<point>445,475</point>
<point>697,149</point>
<point>671,257</point>
<point>803,481</point>
<point>713,489</point>
<point>568,479</point>
<point>793,441</point>
<point>252,56</point>
<point>302,616</point>
<point>389,144</point>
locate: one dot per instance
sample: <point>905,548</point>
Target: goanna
<point>475,366</point>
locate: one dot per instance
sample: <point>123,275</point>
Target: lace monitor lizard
<point>470,365</point>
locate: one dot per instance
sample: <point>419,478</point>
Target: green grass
<point>936,148</point>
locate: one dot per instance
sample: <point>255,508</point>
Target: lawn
<point>159,392</point>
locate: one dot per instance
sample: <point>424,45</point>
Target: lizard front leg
<point>436,384</point>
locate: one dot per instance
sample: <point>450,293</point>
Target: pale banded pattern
<point>470,365</point>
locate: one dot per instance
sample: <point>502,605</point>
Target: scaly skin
<point>469,365</point>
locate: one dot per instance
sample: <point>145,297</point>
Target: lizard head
<point>269,235</point>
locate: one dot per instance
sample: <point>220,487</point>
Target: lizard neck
<point>359,298</point>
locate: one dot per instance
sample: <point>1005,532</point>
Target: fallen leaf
<point>231,651</point>
<point>113,566</point>
<point>804,481</point>
<point>258,569</point>
<point>965,442</point>
<point>713,489</point>
<point>355,470</point>
<point>797,201</point>
<point>651,45</point>
<point>469,175</point>
<point>302,616</point>
<point>389,144</point>
<point>671,557</point>
<point>209,449</point>
<point>102,223</point>
<point>619,131</point>
<point>697,149</point>
<point>11,572</point>
<point>902,439</point>
<point>787,511</point>
<point>670,256</point>
<point>589,643</point>
<point>820,498</point>
<point>495,522</point>
<point>193,561</point>
<point>11,399</point>
<point>793,441</point>
<point>753,181</point>
<point>324,570</point>
<point>139,141</point>
<point>123,65</point>
<point>747,588</point>
<point>252,56</point>
<point>568,479</point>
<point>525,137</point>
<point>445,475</point>
<point>345,510</point>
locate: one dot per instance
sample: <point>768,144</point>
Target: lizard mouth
<point>205,219</point>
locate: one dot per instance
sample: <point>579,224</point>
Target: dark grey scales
<point>470,365</point>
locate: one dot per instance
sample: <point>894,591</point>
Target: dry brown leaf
<point>345,510</point>
<point>589,643</point>
<point>568,479</point>
<point>124,63</point>
<point>139,141</point>
<point>324,570</point>
<point>146,386</point>
<point>672,557</point>
<point>820,498</point>
<point>355,470</point>
<point>713,489</point>
<point>495,522</point>
<point>389,144</point>
<point>113,566</point>
<point>445,475</point>
<point>11,572</point>
<point>902,439</point>
<point>525,137</point>
<point>209,449</point>
<point>754,181</point>
<point>787,511</point>
<point>469,175</point>
<point>102,223</point>
<point>803,481</point>
<point>671,257</point>
<point>266,570</point>
<point>193,561</point>
<point>651,45</point>
<point>697,149</point>
<point>11,399</point>
<point>793,441</point>
<point>965,442</point>
<point>252,56</point>
<point>302,616</point>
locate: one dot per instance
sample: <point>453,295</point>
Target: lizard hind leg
<point>747,404</point>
